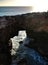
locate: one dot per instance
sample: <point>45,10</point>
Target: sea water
<point>23,52</point>
<point>5,11</point>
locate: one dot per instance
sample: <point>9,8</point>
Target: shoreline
<point>20,14</point>
<point>36,26</point>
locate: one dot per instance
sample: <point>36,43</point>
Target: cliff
<point>36,25</point>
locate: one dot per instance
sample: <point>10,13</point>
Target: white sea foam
<point>16,39</point>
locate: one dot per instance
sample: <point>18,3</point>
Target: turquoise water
<point>14,10</point>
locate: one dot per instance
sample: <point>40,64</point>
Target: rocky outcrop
<point>36,25</point>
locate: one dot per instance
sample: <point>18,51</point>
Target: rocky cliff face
<point>36,25</point>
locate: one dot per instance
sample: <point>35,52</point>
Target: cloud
<point>2,0</point>
<point>16,3</point>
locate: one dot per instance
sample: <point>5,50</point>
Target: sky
<point>36,5</point>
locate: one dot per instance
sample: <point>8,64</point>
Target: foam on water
<point>16,39</point>
<point>21,51</point>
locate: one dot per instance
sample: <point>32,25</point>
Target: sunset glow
<point>38,5</point>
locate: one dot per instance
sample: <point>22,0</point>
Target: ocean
<point>8,11</point>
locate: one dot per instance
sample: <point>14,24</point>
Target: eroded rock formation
<point>36,25</point>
